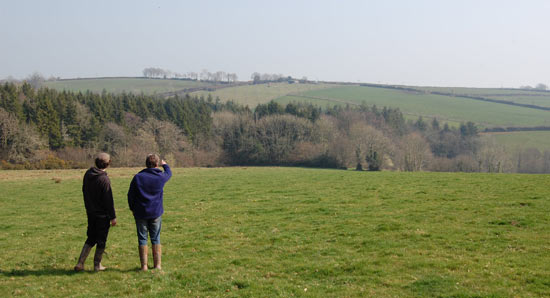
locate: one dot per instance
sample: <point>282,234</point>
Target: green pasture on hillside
<point>538,98</point>
<point>268,232</point>
<point>119,85</point>
<point>480,91</point>
<point>485,114</point>
<point>252,95</point>
<point>522,140</point>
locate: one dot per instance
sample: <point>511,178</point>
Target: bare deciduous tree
<point>167,135</point>
<point>414,153</point>
<point>493,158</point>
<point>530,161</point>
<point>36,80</point>
<point>18,141</point>
<point>541,86</point>
<point>370,145</point>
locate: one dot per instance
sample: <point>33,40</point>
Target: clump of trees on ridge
<point>204,75</point>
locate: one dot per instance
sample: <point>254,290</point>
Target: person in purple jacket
<point>145,201</point>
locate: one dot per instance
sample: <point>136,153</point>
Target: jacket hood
<point>151,170</point>
<point>95,172</point>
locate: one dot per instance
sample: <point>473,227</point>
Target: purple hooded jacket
<point>145,194</point>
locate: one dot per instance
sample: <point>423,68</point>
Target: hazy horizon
<point>427,43</point>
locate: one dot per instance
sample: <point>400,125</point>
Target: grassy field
<point>265,232</point>
<point>119,85</point>
<point>515,95</point>
<point>523,139</point>
<point>480,91</point>
<point>485,114</point>
<point>538,100</point>
<point>252,95</point>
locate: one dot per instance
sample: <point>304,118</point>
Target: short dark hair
<point>152,161</point>
<point>102,160</point>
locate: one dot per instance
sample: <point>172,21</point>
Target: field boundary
<point>514,129</point>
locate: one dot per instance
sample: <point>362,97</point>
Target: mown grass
<point>119,85</point>
<point>265,232</point>
<point>485,114</point>
<point>520,140</point>
<point>252,95</point>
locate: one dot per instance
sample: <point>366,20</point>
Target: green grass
<point>523,139</point>
<point>252,95</point>
<point>446,108</point>
<point>265,232</point>
<point>479,91</point>
<point>539,100</point>
<point>119,85</point>
<point>515,95</point>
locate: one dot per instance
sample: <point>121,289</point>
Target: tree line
<point>216,77</point>
<point>45,128</point>
<point>204,75</point>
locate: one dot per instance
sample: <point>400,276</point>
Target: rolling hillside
<point>252,95</point>
<point>447,108</point>
<point>119,85</point>
<point>487,107</point>
<point>518,96</point>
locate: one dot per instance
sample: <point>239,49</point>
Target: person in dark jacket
<point>145,201</point>
<point>100,209</point>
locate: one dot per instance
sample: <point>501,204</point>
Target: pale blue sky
<point>443,43</point>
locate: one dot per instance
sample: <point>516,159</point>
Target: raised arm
<point>167,171</point>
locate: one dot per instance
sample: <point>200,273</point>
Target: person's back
<point>145,199</point>
<point>96,188</point>
<point>100,210</point>
<point>145,196</point>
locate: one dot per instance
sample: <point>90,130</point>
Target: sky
<point>429,43</point>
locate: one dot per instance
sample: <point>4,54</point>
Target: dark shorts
<point>98,229</point>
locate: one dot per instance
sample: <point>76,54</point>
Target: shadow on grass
<point>57,272</point>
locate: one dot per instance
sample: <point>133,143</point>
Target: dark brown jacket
<point>98,196</point>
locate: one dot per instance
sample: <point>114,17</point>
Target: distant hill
<point>429,105</point>
<point>252,95</point>
<point>487,107</point>
<point>119,85</point>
